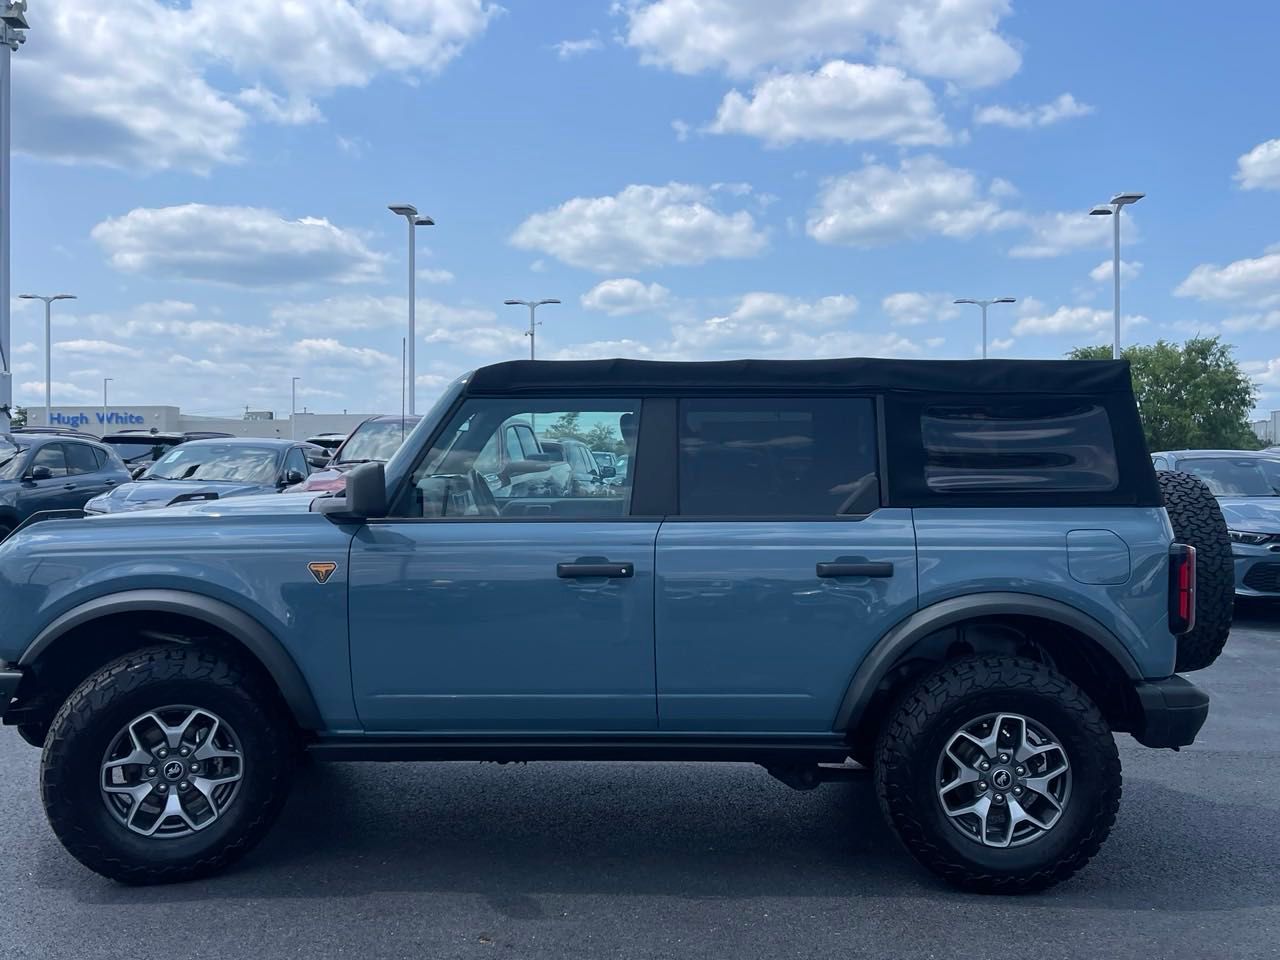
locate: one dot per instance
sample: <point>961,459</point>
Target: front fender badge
<point>322,570</point>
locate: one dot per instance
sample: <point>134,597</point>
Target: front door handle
<point>858,568</point>
<point>68,486</point>
<point>614,571</point>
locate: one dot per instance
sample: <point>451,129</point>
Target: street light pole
<point>984,304</point>
<point>293,408</point>
<point>105,381</point>
<point>48,347</point>
<point>1112,209</point>
<point>410,213</point>
<point>13,23</point>
<point>534,323</point>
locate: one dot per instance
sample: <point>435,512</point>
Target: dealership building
<point>100,421</point>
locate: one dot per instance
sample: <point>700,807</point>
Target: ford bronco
<point>958,576</point>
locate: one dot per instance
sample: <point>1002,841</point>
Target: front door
<point>781,570</point>
<point>499,601</point>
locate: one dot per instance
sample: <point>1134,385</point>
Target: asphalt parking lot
<point>611,860</point>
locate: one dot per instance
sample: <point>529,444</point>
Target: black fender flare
<point>902,637</point>
<point>251,634</point>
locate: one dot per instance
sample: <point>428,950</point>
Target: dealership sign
<point>82,419</point>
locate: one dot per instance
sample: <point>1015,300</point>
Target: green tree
<point>19,418</point>
<point>565,427</point>
<point>601,437</point>
<point>1190,396</point>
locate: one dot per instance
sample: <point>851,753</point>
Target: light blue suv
<point>960,576</point>
<point>1247,485</point>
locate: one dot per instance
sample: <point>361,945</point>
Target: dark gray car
<point>49,471</point>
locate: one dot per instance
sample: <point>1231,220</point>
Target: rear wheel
<point>166,765</point>
<point>999,775</point>
<point>1197,521</point>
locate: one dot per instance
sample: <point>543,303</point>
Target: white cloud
<point>625,296</point>
<point>95,348</point>
<point>1105,271</point>
<point>326,350</point>
<point>368,312</point>
<point>848,102</point>
<point>955,40</point>
<point>1259,169</point>
<point>641,226</point>
<point>152,85</point>
<point>61,390</point>
<point>240,246</point>
<point>681,129</point>
<point>1053,234</point>
<point>1250,322</point>
<point>1064,107</point>
<point>435,275</point>
<point>1085,321</point>
<point>1256,279</point>
<point>568,49</point>
<point>878,205</point>
<point>910,309</point>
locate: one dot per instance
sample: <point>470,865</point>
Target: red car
<point>374,440</point>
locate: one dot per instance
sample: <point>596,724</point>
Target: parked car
<point>328,442</point>
<point>141,448</point>
<point>960,574</point>
<point>587,477</point>
<point>211,470</point>
<point>604,458</point>
<point>1247,485</point>
<point>52,471</point>
<point>377,439</point>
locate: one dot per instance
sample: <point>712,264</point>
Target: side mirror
<point>608,473</point>
<point>292,477</point>
<point>318,460</point>
<point>136,472</point>
<point>41,473</point>
<point>366,495</point>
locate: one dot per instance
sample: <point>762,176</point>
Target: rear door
<point>86,474</point>
<point>781,569</point>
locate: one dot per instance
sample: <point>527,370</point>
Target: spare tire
<point>1197,521</point>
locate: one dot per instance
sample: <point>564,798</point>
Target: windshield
<point>374,440</point>
<point>140,450</point>
<point>1243,477</point>
<point>235,463</point>
<point>10,459</point>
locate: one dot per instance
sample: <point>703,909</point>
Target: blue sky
<point>693,178</point>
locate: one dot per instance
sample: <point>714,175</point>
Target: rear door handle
<point>573,571</point>
<point>862,568</point>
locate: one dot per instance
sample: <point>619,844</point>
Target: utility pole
<point>48,347</point>
<point>13,23</point>
<point>984,304</point>
<point>410,213</point>
<point>1112,209</point>
<point>534,323</point>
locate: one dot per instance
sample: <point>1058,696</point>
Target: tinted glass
<point>1022,447</point>
<point>11,458</point>
<point>464,475</point>
<point>80,459</point>
<point>137,452</point>
<point>778,457</point>
<point>375,440</point>
<point>297,461</point>
<point>1239,477</point>
<point>101,457</point>
<point>51,456</point>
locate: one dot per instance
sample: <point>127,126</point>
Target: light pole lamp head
<point>27,296</point>
<point>64,296</point>
<point>1101,210</point>
<point>541,302</point>
<point>515,303</point>
<point>15,15</point>
<point>1121,199</point>
<point>423,222</point>
<point>404,210</point>
<point>1005,300</point>
<point>964,300</point>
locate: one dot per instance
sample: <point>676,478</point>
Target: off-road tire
<point>911,743</point>
<point>70,773</point>
<point>1197,520</point>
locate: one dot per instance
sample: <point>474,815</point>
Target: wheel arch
<point>246,632</point>
<point>1102,649</point>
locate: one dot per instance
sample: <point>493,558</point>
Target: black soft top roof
<point>932,376</point>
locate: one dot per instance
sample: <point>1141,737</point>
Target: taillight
<point>1182,588</point>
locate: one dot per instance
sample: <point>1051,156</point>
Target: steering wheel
<point>481,495</point>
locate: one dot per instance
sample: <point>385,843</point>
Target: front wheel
<point>166,765</point>
<point>999,775</point>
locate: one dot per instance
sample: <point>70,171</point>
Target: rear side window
<point>80,459</point>
<point>1019,447</point>
<point>778,457</point>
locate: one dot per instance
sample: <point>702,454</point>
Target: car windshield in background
<point>1243,477</point>
<point>231,463</point>
<point>375,440</point>
<point>10,459</point>
<point>138,451</point>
